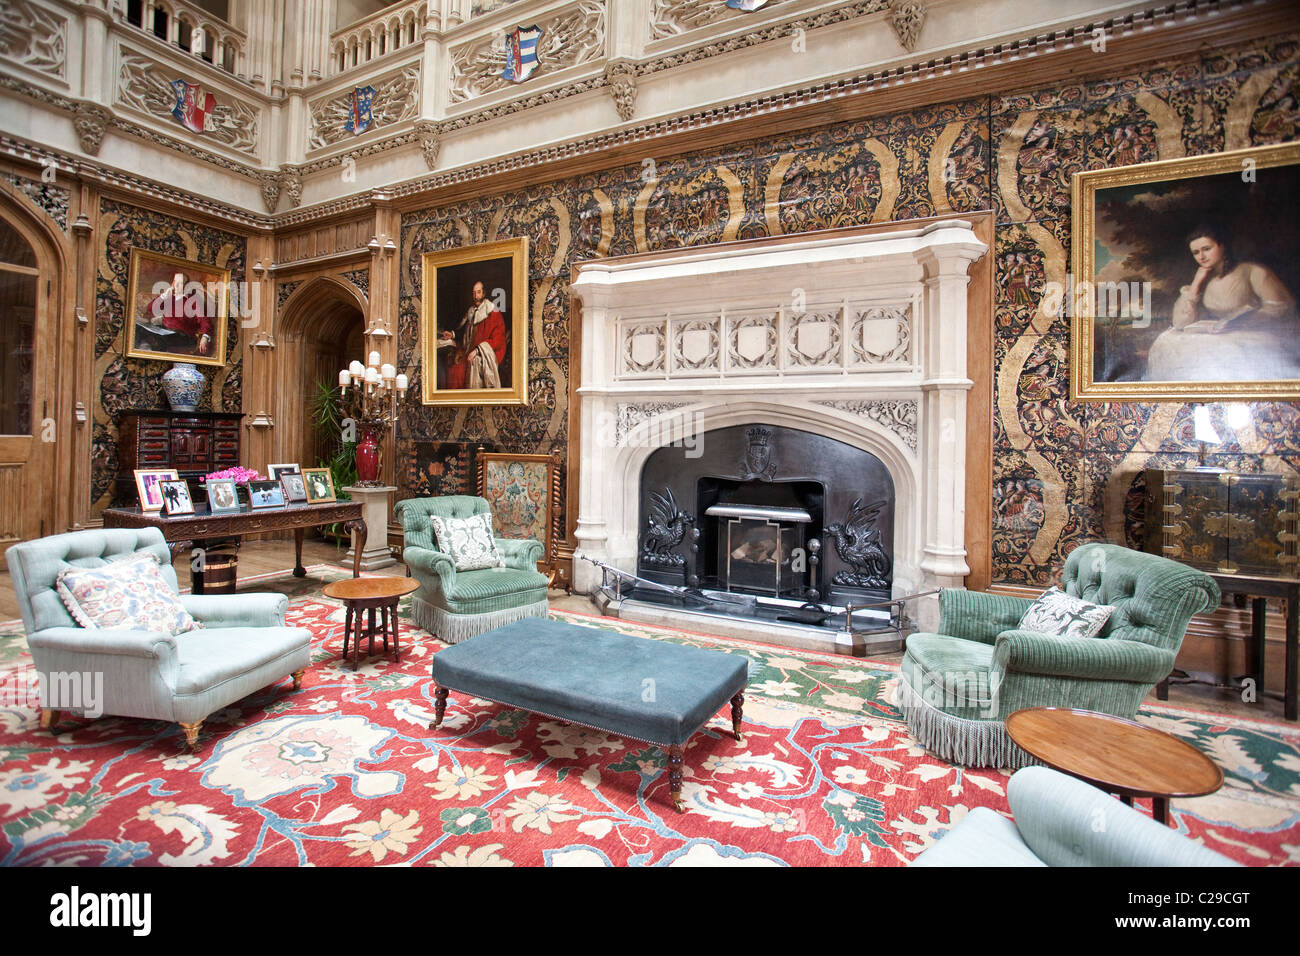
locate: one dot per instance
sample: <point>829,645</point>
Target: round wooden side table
<point>1117,755</point>
<point>361,595</point>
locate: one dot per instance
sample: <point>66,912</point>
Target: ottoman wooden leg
<point>49,717</point>
<point>297,679</point>
<point>737,711</point>
<point>675,777</point>
<point>439,706</point>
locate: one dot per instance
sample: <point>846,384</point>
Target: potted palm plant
<point>334,449</point>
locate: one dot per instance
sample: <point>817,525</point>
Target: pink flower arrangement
<point>238,474</point>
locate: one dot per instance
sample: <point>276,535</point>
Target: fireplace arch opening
<point>785,516</point>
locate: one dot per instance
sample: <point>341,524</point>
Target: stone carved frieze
<point>53,199</point>
<point>881,336</point>
<point>147,86</point>
<point>395,99</point>
<point>697,345</point>
<point>752,342</point>
<point>644,348</point>
<point>671,17</point>
<point>898,417</point>
<point>34,37</point>
<point>632,414</point>
<point>270,191</point>
<point>576,35</point>
<point>291,184</point>
<point>813,339</point>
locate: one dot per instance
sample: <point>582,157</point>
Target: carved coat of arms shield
<point>360,117</point>
<point>521,53</point>
<point>193,104</point>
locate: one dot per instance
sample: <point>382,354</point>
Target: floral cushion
<point>129,594</point>
<point>1056,612</point>
<point>468,541</point>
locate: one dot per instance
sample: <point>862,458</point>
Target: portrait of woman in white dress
<point>1235,320</point>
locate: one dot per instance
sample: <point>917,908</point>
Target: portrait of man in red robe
<point>476,348</point>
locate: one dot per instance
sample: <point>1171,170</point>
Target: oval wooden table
<point>360,595</point>
<point>1117,755</point>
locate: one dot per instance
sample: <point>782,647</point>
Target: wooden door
<point>28,394</point>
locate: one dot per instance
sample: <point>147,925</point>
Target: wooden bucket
<point>219,575</point>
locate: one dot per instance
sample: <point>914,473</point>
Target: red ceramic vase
<point>368,455</point>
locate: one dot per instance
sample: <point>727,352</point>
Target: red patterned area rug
<point>346,772</point>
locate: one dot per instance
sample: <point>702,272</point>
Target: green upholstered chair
<point>241,647</point>
<point>1061,821</point>
<point>454,605</point>
<point>957,686</point>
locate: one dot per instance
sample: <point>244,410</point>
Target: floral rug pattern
<point>346,771</point>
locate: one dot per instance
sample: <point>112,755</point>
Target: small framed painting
<point>223,496</point>
<point>295,490</point>
<point>176,498</point>
<point>275,471</point>
<point>319,485</point>
<point>265,494</point>
<point>147,485</point>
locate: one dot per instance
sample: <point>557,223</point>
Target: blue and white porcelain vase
<point>183,384</point>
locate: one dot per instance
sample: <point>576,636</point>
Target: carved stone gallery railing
<point>192,29</point>
<point>388,31</point>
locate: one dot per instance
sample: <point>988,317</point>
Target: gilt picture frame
<point>1185,279</point>
<point>177,310</point>
<point>474,324</point>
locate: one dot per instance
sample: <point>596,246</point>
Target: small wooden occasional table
<point>1117,755</point>
<point>360,595</point>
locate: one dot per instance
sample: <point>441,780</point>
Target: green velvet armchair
<point>958,686</point>
<point>455,605</point>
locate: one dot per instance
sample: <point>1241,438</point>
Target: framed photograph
<point>295,491</point>
<point>265,494</point>
<point>176,498</point>
<point>319,485</point>
<point>223,496</point>
<point>474,325</point>
<point>275,471</point>
<point>523,492</point>
<point>147,485</point>
<point>1185,278</point>
<point>176,309</point>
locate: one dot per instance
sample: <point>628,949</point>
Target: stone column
<point>374,511</point>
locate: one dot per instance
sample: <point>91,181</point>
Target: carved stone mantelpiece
<point>713,328</point>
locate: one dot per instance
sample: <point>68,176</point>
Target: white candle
<point>375,358</point>
<point>345,378</point>
<point>401,383</point>
<point>357,369</point>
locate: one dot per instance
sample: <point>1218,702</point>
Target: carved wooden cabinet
<point>194,443</point>
<point>1223,521</point>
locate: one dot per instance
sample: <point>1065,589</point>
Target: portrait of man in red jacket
<point>476,348</point>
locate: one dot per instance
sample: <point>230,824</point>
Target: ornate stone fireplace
<point>857,342</point>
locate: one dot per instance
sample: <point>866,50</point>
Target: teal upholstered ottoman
<point>636,687</point>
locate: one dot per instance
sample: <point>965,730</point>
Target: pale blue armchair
<point>1062,821</point>
<point>241,647</point>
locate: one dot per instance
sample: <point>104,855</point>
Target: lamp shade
<point>345,378</point>
<point>357,369</point>
<point>375,359</point>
